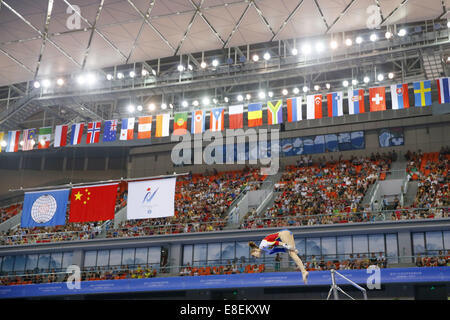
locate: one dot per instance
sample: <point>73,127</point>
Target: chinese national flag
<point>93,203</point>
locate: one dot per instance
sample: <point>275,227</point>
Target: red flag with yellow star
<point>93,203</point>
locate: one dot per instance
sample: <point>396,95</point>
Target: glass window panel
<point>200,254</point>
<point>90,258</point>
<point>141,256</point>
<point>115,257</point>
<point>32,260</point>
<point>67,259</point>
<point>128,256</point>
<point>300,245</point>
<point>242,251</point>
<point>447,240</point>
<point>187,254</point>
<point>44,261</point>
<point>227,251</point>
<point>1,259</point>
<point>329,247</point>
<point>102,258</point>
<point>213,252</point>
<point>344,247</point>
<point>376,243</point>
<point>360,244</point>
<point>8,263</point>
<point>392,248</point>
<point>434,241</point>
<point>56,260</point>
<point>313,247</point>
<point>154,255</point>
<point>19,264</point>
<point>418,243</point>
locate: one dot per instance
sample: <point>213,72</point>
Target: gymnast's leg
<point>287,237</point>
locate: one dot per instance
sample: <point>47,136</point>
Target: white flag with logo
<point>151,199</point>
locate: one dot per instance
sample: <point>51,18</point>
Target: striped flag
<point>45,137</point>
<point>162,125</point>
<point>275,112</point>
<point>28,139</point>
<point>127,129</point>
<point>377,98</point>
<point>443,90</point>
<point>356,101</point>
<point>254,114</point>
<point>60,136</point>
<point>335,101</point>
<point>110,131</point>
<point>217,119</point>
<point>2,142</point>
<point>145,127</point>
<point>13,141</point>
<point>314,107</point>
<point>93,132</point>
<point>236,116</point>
<point>198,122</point>
<point>399,96</point>
<point>422,93</point>
<point>180,123</point>
<point>294,109</point>
<point>77,133</point>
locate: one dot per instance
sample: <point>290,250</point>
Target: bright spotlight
<point>448,24</point>
<point>391,75</point>
<point>139,108</point>
<point>305,89</point>
<point>402,32</point>
<point>317,87</point>
<point>214,100</point>
<point>195,103</point>
<point>373,37</point>
<point>296,90</point>
<point>119,75</point>
<point>81,80</point>
<point>248,96</point>
<point>255,58</point>
<point>348,42</point>
<point>132,74</point>
<point>163,106</point>
<point>319,47</point>
<point>130,108</point>
<point>190,67</point>
<point>46,83</point>
<point>380,77</point>
<point>180,68</point>
<point>328,86</point>
<point>91,78</point>
<point>203,64</point>
<point>144,72</point>
<point>226,99</point>
<point>359,40</point>
<point>284,92</point>
<point>366,79</point>
<point>205,101</point>
<point>240,97</point>
<point>60,81</point>
<point>261,94</point>
<point>306,49</point>
<point>151,107</point>
<point>215,63</point>
<point>354,82</point>
<point>266,56</point>
<point>184,104</point>
<point>345,83</point>
<point>333,44</point>
<point>109,77</point>
<point>388,34</point>
<point>3,143</point>
<point>270,94</point>
<point>37,84</point>
<point>294,52</point>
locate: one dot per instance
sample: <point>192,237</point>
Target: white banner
<point>151,199</point>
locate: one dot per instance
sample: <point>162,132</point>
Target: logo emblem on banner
<point>43,209</point>
<point>148,199</point>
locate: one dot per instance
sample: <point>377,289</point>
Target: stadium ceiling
<point>51,37</point>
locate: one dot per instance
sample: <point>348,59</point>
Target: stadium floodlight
<point>154,72</point>
<point>215,101</point>
<point>203,65</point>
<point>388,35</point>
<point>37,84</point>
<point>305,89</point>
<point>255,58</point>
<point>348,42</point>
<point>46,83</point>
<point>391,75</point>
<point>81,80</point>
<point>215,63</point>
<point>163,106</point>
<point>139,108</point>
<point>240,98</point>
<point>270,94</point>
<point>380,77</point>
<point>195,103</point>
<point>180,68</point>
<point>3,143</point>
<point>284,92</point>
<point>248,96</point>
<point>448,24</point>
<point>366,79</point>
<point>226,99</point>
<point>91,78</point>
<point>266,56</point>
<point>170,106</point>
<point>190,67</point>
<point>294,52</point>
<point>319,47</point>
<point>60,81</point>
<point>119,75</point>
<point>184,104</point>
<point>359,40</point>
<point>296,90</point>
<point>132,74</point>
<point>306,49</point>
<point>144,72</point>
<point>261,94</point>
<point>151,107</point>
<point>333,44</point>
<point>317,87</point>
<point>109,77</point>
<point>354,82</point>
<point>21,143</point>
<point>206,101</point>
<point>130,108</point>
<point>402,32</point>
<point>345,83</point>
<point>328,86</point>
<point>373,37</point>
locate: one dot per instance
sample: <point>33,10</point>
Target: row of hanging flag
<point>314,110</point>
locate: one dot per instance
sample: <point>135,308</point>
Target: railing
<point>334,287</point>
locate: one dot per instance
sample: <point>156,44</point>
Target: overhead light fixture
<point>81,80</point>
<point>294,52</point>
<point>184,104</point>
<point>296,90</point>
<point>402,32</point>
<point>359,40</point>
<point>132,74</point>
<point>388,35</point>
<point>261,94</point>
<point>354,82</point>
<point>448,24</point>
<point>366,79</point>
<point>226,99</point>
<point>37,84</point>
<point>215,63</point>
<point>203,65</point>
<point>270,94</point>
<point>266,56</point>
<point>391,75</point>
<point>328,86</point>
<point>195,103</point>
<point>46,83</point>
<point>380,77</point>
<point>215,101</point>
<point>180,68</point>
<point>3,143</point>
<point>151,106</point>
<point>373,37</point>
<point>139,108</point>
<point>284,92</point>
<point>170,106</point>
<point>190,67</point>
<point>240,98</point>
<point>91,78</point>
<point>306,49</point>
<point>255,58</point>
<point>348,42</point>
<point>345,83</point>
<point>144,72</point>
<point>319,47</point>
<point>109,77</point>
<point>131,108</point>
<point>317,87</point>
<point>60,81</point>
<point>154,72</point>
<point>205,101</point>
<point>163,106</point>
<point>333,44</point>
<point>305,89</point>
<point>119,75</point>
<point>248,96</point>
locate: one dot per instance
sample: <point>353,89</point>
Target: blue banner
<point>270,279</point>
<point>44,208</point>
<point>331,143</point>
<point>391,137</point>
<point>297,146</point>
<point>345,141</point>
<point>287,148</point>
<point>357,138</point>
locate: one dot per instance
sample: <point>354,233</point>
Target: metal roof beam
<point>285,22</point>
<point>44,39</point>
<point>346,9</point>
